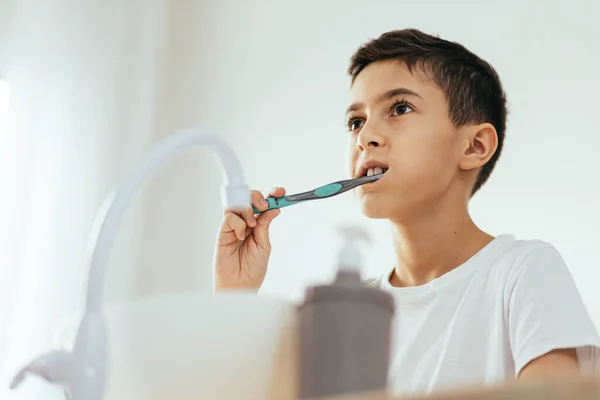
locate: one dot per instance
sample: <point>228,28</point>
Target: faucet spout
<point>235,195</point>
<point>83,371</point>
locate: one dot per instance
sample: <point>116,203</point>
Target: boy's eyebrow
<point>385,96</point>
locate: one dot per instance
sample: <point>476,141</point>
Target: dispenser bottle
<point>344,330</point>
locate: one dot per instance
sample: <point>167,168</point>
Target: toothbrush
<point>322,192</point>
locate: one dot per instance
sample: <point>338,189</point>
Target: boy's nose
<point>373,143</point>
<point>369,138</point>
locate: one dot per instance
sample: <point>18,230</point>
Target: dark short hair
<point>472,87</point>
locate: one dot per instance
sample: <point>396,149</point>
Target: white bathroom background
<point>94,84</point>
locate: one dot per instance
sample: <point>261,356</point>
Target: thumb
<point>261,230</point>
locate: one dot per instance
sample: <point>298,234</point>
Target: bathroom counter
<point>580,389</point>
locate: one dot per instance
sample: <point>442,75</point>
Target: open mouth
<point>375,171</point>
<point>372,168</point>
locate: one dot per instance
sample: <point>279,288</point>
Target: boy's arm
<point>557,364</point>
<point>550,330</point>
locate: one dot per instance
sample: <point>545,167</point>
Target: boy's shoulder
<point>518,255</point>
<point>504,254</point>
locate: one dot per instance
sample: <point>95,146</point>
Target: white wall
<point>270,76</point>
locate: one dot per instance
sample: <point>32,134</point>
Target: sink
<point>196,345</point>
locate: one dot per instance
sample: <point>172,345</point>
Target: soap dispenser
<point>344,330</point>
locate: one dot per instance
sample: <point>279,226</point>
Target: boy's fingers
<point>257,200</point>
<point>277,192</point>
<point>248,216</point>
<point>232,223</point>
<point>261,232</point>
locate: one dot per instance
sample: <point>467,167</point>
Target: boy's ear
<point>478,145</point>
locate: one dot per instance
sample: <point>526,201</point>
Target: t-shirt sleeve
<point>546,312</point>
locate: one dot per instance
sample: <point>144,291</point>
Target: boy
<point>471,308</point>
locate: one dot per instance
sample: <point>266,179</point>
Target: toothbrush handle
<point>276,202</point>
<point>322,192</point>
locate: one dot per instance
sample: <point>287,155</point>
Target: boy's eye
<point>354,124</point>
<point>402,108</point>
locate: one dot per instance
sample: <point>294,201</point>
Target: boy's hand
<point>243,247</point>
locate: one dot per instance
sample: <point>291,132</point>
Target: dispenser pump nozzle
<point>350,256</point>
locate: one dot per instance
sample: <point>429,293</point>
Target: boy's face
<point>400,120</point>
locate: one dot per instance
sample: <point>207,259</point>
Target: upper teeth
<point>374,171</point>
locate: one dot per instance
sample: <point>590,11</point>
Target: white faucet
<point>83,371</point>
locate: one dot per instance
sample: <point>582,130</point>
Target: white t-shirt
<point>482,322</point>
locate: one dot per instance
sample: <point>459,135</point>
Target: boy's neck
<point>429,247</point>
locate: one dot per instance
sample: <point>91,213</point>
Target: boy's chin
<point>375,211</point>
